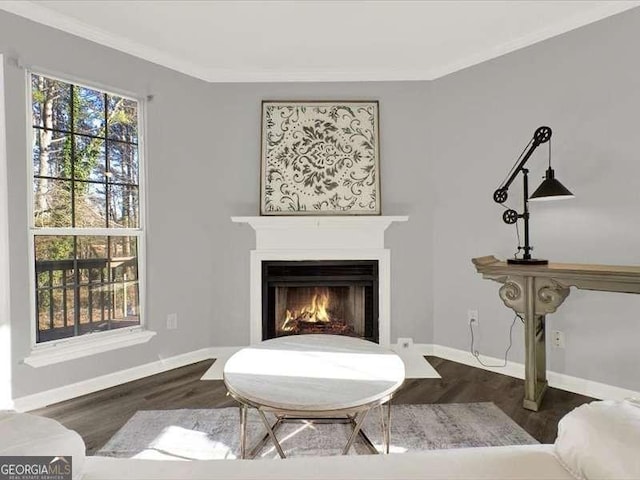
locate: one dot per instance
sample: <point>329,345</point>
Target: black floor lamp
<point>549,189</point>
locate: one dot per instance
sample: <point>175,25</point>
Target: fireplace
<point>331,240</point>
<point>338,297</point>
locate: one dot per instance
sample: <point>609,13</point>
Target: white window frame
<point>54,351</point>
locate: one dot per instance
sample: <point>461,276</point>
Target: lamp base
<point>527,261</point>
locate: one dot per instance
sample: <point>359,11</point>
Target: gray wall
<point>406,189</point>
<point>203,167</point>
<point>173,144</point>
<point>586,86</point>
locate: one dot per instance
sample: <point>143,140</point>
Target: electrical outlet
<point>172,321</point>
<point>472,317</point>
<point>557,339</point>
<point>405,343</point>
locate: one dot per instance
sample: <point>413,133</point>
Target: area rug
<point>415,365</point>
<point>214,433</point>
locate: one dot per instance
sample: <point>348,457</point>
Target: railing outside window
<point>86,227</point>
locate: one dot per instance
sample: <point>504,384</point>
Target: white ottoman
<point>24,434</point>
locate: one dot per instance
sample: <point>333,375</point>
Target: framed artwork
<point>320,158</point>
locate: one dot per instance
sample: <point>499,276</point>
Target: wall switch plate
<point>557,339</point>
<point>473,317</point>
<point>405,343</point>
<point>172,321</point>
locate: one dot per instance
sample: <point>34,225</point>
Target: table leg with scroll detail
<point>535,348</point>
<point>532,298</point>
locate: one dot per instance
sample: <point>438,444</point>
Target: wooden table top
<point>313,373</point>
<point>492,263</point>
<point>606,278</point>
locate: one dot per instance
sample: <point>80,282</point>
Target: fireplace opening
<point>337,297</point>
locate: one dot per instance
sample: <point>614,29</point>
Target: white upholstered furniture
<point>25,434</point>
<point>600,440</point>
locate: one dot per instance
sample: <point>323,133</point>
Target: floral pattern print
<point>320,158</point>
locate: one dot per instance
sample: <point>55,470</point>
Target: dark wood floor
<point>97,416</point>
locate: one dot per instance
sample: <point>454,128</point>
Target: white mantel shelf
<point>325,232</point>
<point>321,221</point>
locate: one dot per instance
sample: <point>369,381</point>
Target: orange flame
<point>316,311</point>
<point>285,325</point>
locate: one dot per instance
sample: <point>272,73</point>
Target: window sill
<point>49,355</point>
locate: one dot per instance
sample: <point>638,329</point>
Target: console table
<point>533,291</point>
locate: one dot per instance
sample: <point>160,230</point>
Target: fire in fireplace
<point>334,310</point>
<point>332,297</point>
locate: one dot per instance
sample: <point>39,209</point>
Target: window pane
<point>90,161</point>
<point>122,115</point>
<point>54,248</point>
<point>51,154</point>
<point>58,296</point>
<point>70,313</point>
<point>43,279</point>
<point>88,110</point>
<point>92,247</point>
<point>123,206</point>
<point>86,301</point>
<point>50,103</point>
<point>90,205</point>
<point>82,179</point>
<point>125,304</point>
<point>92,260</point>
<point>54,274</point>
<point>123,163</point>
<point>125,269</point>
<point>63,318</point>
<point>51,203</point>
<point>93,282</point>
<point>100,295</point>
<point>43,300</point>
<point>133,295</point>
<point>123,247</point>
<point>85,284</point>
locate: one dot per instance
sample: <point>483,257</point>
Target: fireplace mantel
<point>341,232</point>
<point>321,238</point>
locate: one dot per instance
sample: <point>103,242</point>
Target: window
<point>86,227</point>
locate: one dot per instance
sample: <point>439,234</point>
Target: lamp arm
<point>540,136</point>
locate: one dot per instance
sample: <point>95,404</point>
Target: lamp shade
<point>550,189</point>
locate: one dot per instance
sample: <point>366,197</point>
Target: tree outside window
<point>86,209</point>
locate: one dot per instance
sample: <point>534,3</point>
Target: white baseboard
<point>49,397</point>
<point>513,369</point>
<point>561,381</point>
<point>222,354</point>
<point>589,387</point>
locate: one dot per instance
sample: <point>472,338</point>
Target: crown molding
<point>283,76</point>
<point>46,16</point>
<point>585,18</point>
<point>68,24</point>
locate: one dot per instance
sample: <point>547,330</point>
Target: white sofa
<point>600,440</point>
